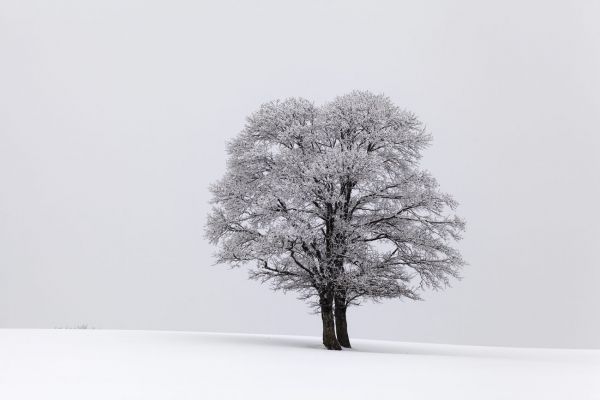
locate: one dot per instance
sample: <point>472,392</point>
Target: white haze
<point>113,122</point>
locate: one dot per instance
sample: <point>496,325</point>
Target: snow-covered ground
<point>110,365</point>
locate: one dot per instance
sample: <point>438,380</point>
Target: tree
<point>330,202</point>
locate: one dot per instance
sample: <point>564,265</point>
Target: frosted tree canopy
<point>330,201</point>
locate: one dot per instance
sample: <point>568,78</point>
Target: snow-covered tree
<point>330,202</point>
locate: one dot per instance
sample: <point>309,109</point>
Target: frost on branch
<point>331,199</point>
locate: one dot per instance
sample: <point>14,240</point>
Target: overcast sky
<point>113,122</point>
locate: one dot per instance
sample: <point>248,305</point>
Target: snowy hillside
<point>99,364</point>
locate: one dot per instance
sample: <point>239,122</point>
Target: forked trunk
<point>341,325</point>
<point>329,340</point>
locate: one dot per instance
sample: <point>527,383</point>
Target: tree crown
<point>333,196</point>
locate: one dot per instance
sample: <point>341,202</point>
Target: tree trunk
<point>329,340</point>
<point>341,325</point>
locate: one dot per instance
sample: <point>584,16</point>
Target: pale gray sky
<point>113,122</point>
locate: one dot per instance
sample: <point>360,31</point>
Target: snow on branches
<point>332,199</point>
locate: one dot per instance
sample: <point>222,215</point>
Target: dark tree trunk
<point>329,340</point>
<point>341,325</point>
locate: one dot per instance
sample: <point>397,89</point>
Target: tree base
<point>335,346</point>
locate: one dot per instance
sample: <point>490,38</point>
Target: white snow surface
<point>104,364</point>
